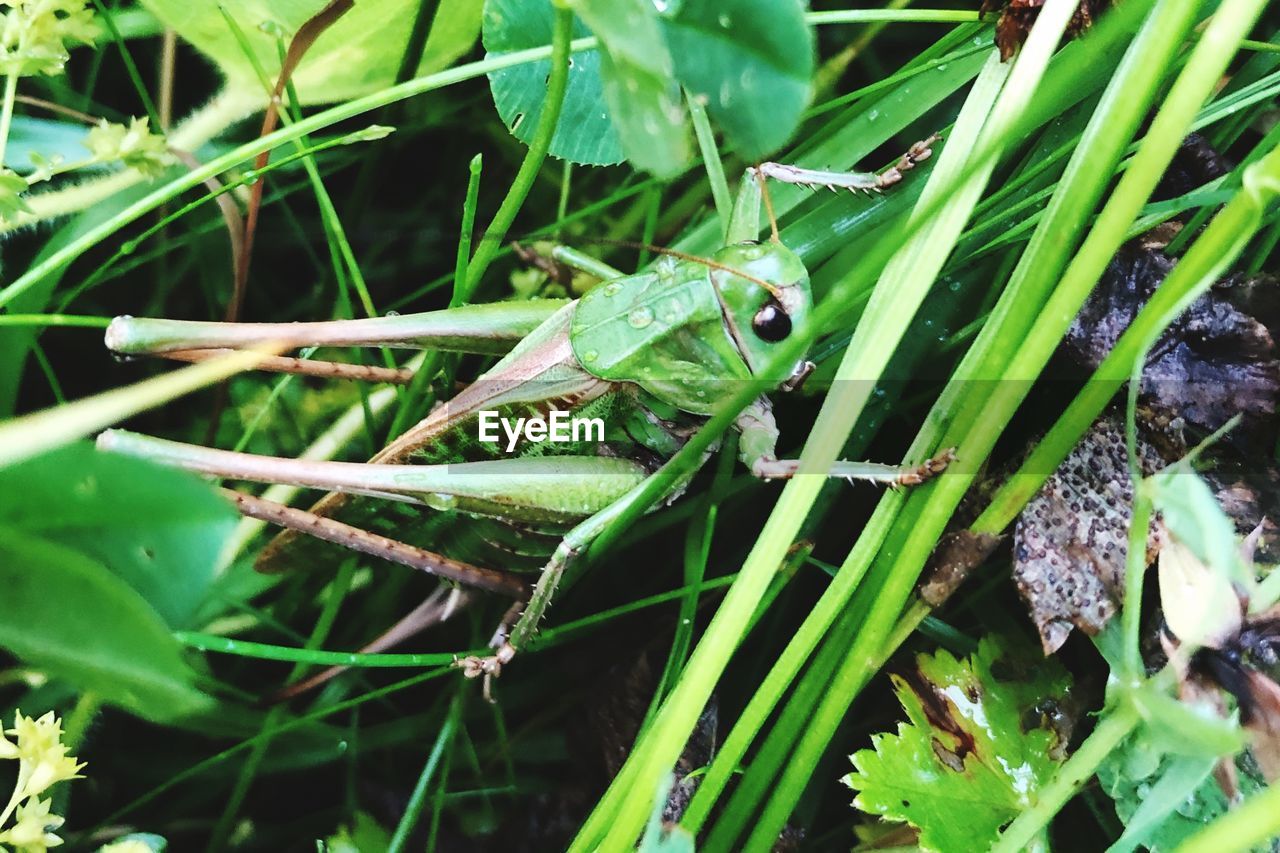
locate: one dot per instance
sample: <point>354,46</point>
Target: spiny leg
<point>376,545</point>
<point>306,366</point>
<point>866,181</point>
<point>759,440</point>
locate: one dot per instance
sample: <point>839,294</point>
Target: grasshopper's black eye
<point>771,323</point>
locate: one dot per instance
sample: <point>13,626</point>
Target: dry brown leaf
<point>1017,17</point>
<point>1070,541</point>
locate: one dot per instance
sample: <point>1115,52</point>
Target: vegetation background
<point>130,604</point>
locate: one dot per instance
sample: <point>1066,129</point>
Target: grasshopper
<point>657,351</point>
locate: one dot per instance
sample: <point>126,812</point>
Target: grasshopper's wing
<point>542,371</point>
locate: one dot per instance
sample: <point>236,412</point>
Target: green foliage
<point>749,61</point>
<point>357,55</point>
<point>1192,513</point>
<point>67,614</point>
<point>1163,798</point>
<point>639,89</point>
<point>12,186</point>
<point>964,764</point>
<point>100,558</point>
<point>584,134</point>
<point>158,530</point>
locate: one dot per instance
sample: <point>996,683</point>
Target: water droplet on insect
<point>954,287</point>
<point>441,502</point>
<point>942,67</point>
<point>640,317</point>
<point>754,253</point>
<point>612,289</point>
<point>392,314</point>
<point>873,115</point>
<point>701,393</point>
<point>590,355</point>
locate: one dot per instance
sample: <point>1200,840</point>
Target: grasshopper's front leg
<point>865,181</point>
<point>523,618</point>
<point>759,442</point>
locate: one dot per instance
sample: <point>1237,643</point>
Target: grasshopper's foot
<point>927,469</point>
<point>488,667</point>
<point>915,155</point>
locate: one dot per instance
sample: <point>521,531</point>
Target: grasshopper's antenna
<point>768,204</point>
<point>685,256</point>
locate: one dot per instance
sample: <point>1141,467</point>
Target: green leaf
<point>158,530</point>
<point>66,614</point>
<point>751,61</point>
<point>1163,798</point>
<point>1184,728</point>
<point>1192,513</point>
<point>963,767</point>
<point>357,55</point>
<point>639,89</point>
<point>585,133</point>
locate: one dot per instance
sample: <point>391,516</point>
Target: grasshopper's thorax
<point>686,332</point>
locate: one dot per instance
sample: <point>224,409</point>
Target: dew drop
<point>440,502</point>
<point>590,356</point>
<point>612,289</point>
<point>754,253</point>
<point>392,314</point>
<point>640,317</point>
<point>725,20</point>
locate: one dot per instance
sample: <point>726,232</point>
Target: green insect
<point>650,354</point>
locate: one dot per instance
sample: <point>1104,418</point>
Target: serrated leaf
<point>66,614</point>
<point>359,54</point>
<point>963,766</point>
<point>751,61</point>
<point>585,133</point>
<point>159,530</point>
<point>636,75</point>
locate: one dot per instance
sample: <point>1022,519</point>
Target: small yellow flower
<point>43,757</point>
<point>30,832</point>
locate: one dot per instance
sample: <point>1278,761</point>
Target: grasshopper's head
<point>760,318</point>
